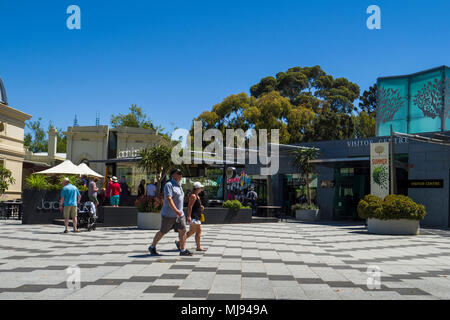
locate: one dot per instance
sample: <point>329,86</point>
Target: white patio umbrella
<point>67,167</point>
<point>88,171</point>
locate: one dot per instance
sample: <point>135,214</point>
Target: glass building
<point>415,103</point>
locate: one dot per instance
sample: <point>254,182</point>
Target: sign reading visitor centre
<point>379,169</point>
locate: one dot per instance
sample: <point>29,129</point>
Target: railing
<point>11,210</point>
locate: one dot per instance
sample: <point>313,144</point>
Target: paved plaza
<point>286,260</point>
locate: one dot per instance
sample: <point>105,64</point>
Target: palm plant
<point>156,160</point>
<point>302,158</point>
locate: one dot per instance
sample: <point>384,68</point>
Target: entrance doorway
<point>351,185</point>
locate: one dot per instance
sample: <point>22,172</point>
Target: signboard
<point>379,169</point>
<point>426,183</point>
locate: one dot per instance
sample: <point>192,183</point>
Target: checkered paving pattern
<point>287,260</point>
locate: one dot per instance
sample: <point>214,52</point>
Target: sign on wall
<point>379,169</point>
<point>426,184</point>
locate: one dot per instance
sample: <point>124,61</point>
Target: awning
<point>352,162</point>
<point>67,167</point>
<point>88,171</point>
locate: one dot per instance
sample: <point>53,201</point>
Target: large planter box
<point>41,206</point>
<point>149,220</point>
<point>226,216</point>
<point>307,215</point>
<point>393,227</point>
<point>117,217</point>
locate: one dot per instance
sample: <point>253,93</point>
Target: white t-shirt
<point>151,190</point>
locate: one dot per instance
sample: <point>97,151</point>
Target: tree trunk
<point>308,190</point>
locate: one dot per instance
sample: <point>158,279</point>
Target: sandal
<point>76,231</point>
<point>201,249</point>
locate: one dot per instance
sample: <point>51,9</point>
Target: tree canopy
<point>36,140</point>
<point>304,103</point>
<point>135,118</point>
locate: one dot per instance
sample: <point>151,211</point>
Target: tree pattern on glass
<point>434,99</point>
<point>430,99</point>
<point>389,102</point>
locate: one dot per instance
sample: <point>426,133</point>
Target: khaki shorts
<point>171,223</point>
<point>70,212</point>
<point>93,199</point>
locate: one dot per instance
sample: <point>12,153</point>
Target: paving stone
<point>298,261</point>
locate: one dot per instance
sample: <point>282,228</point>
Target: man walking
<point>172,216</point>
<point>151,189</point>
<point>70,199</point>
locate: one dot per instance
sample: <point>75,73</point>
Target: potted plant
<point>306,212</point>
<point>234,205</point>
<point>149,213</point>
<point>156,160</point>
<point>302,160</point>
<point>395,215</point>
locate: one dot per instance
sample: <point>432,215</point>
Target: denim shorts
<point>115,200</point>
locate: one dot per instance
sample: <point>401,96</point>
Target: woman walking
<point>141,189</point>
<point>194,213</point>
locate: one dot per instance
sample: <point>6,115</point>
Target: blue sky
<point>176,59</point>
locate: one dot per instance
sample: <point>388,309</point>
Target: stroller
<point>87,216</point>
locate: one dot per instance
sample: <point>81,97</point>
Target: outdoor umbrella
<point>88,171</point>
<point>67,167</point>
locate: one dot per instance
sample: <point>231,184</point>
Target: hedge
<point>393,207</point>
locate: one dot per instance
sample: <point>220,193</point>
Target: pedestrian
<point>252,196</point>
<point>108,190</point>
<point>172,215</point>
<point>242,198</point>
<point>125,191</point>
<point>115,191</point>
<point>195,209</point>
<point>93,192</point>
<point>70,199</point>
<point>141,188</point>
<point>151,189</point>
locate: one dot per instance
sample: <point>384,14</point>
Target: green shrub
<point>234,205</point>
<point>37,182</point>
<point>304,206</point>
<point>393,207</point>
<point>402,207</point>
<point>370,207</point>
<point>42,182</point>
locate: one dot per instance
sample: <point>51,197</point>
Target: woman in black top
<point>194,213</point>
<point>141,189</point>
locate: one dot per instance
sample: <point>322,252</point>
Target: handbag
<point>202,217</point>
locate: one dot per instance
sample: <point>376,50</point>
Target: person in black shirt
<point>194,213</point>
<point>141,189</point>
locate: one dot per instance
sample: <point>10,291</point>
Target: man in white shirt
<point>151,189</point>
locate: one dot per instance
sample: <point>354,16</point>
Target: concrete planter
<point>227,216</point>
<point>149,220</point>
<point>117,217</point>
<point>393,227</point>
<point>307,215</point>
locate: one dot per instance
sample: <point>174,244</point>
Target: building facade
<point>12,125</point>
<point>108,150</point>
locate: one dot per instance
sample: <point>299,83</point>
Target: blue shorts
<point>115,200</point>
